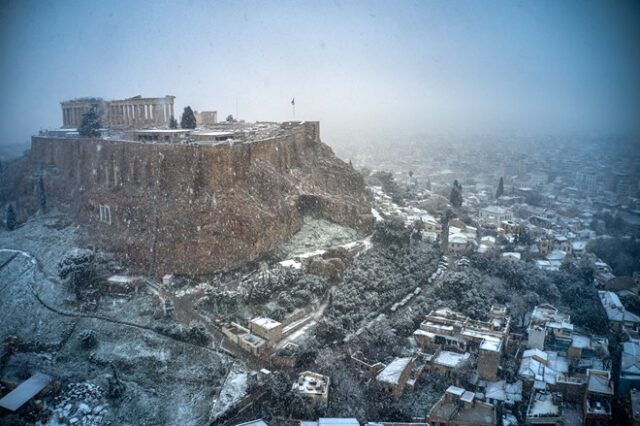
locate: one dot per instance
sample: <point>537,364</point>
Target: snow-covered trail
<point>40,268</point>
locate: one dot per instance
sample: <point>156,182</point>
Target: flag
<point>293,101</point>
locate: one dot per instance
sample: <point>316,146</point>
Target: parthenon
<point>135,112</point>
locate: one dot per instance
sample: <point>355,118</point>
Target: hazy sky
<point>426,66</point>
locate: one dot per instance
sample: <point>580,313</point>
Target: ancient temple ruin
<point>135,112</point>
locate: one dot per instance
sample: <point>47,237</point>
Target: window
<point>105,214</point>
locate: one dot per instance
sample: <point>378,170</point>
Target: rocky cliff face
<point>198,209</point>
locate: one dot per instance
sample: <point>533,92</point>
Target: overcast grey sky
<point>380,67</point>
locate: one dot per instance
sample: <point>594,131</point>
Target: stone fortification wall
<point>192,210</point>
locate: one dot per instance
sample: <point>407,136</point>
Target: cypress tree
<point>455,198</point>
<point>188,120</point>
<point>500,190</point>
<point>10,218</point>
<point>90,125</point>
<point>173,123</point>
<point>42,198</point>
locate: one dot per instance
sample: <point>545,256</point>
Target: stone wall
<point>194,210</point>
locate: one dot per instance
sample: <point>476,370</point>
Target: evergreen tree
<point>42,198</point>
<point>188,120</point>
<point>230,119</point>
<point>10,218</point>
<point>500,190</point>
<point>455,198</point>
<point>173,123</point>
<point>90,125</point>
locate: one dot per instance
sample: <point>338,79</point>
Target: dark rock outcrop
<point>194,210</point>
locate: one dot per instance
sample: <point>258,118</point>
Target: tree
<point>230,119</point>
<point>173,123</point>
<point>455,198</point>
<point>10,218</point>
<point>42,198</point>
<point>91,124</point>
<point>390,186</point>
<point>500,190</point>
<point>80,270</point>
<point>391,232</point>
<point>188,120</point>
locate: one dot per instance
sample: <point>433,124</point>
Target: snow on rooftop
<point>579,341</point>
<point>454,390</point>
<point>291,263</point>
<point>545,372</point>
<point>25,391</point>
<point>560,325</point>
<point>630,360</point>
<point>467,396</point>
<point>492,344</point>
<point>311,383</point>
<point>393,372</point>
<point>543,405</point>
<point>122,279</point>
<point>266,323</point>
<point>452,359</point>
<point>599,383</point>
<point>259,422</point>
<point>614,308</point>
<point>529,353</point>
<point>335,421</point>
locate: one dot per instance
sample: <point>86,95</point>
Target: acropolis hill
<point>196,202</point>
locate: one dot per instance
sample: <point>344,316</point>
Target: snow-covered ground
<point>318,234</point>
<point>233,390</point>
<point>159,373</point>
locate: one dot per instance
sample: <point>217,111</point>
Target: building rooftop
<point>25,391</point>
<point>615,309</point>
<point>471,411</point>
<point>337,421</point>
<point>630,360</point>
<point>543,404</point>
<point>266,323</point>
<point>542,369</point>
<point>258,422</point>
<point>634,395</point>
<point>599,382</point>
<point>312,383</point>
<point>393,372</point>
<point>452,359</point>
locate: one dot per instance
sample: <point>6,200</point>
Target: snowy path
<point>310,320</point>
<point>40,268</point>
